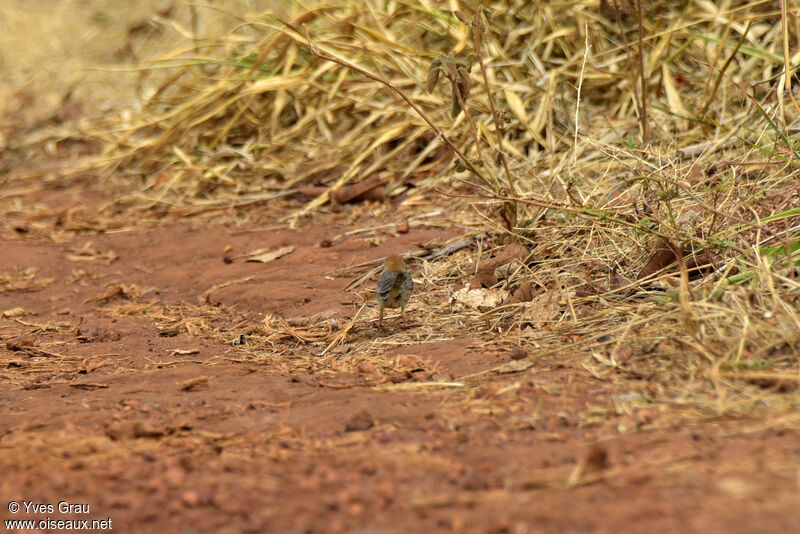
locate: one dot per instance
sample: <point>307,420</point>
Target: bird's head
<point>394,263</point>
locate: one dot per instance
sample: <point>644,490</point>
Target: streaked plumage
<point>394,287</point>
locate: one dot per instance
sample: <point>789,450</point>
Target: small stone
<point>405,361</point>
<point>191,498</point>
<point>356,509</point>
<point>403,227</point>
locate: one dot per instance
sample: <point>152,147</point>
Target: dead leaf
<point>311,191</point>
<point>194,384</point>
<point>543,309</point>
<point>524,293</point>
<point>265,257</point>
<point>13,312</point>
<point>369,189</point>
<point>183,352</point>
<point>666,253</point>
<point>89,386</point>
<point>23,281</point>
<point>509,255</point>
<point>89,253</point>
<point>116,289</point>
<point>484,279</point>
<point>514,366</point>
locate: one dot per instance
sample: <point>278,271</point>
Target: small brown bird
<point>394,287</point>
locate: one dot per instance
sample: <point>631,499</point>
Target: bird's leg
<point>380,316</point>
<point>403,314</point>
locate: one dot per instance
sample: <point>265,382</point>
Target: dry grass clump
<point>643,156</point>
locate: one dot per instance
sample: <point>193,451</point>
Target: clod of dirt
<point>91,330</point>
<point>404,360</point>
<point>420,375</point>
<point>137,430</point>
<point>20,343</point>
<point>146,430</point>
<point>517,353</point>
<point>403,227</point>
<point>367,367</point>
<point>88,330</point>
<point>359,422</point>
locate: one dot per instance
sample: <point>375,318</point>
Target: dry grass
<point>651,172</point>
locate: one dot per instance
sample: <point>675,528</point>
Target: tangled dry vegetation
<point>638,177</point>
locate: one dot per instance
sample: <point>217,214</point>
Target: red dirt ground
<point>206,440</point>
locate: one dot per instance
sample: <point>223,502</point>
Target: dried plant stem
<point>787,72</point>
<point>474,130</point>
<point>439,133</point>
<point>590,212</point>
<point>725,65</point>
<point>634,85</point>
<point>578,98</point>
<point>642,73</point>
<point>465,109</point>
<point>489,95</point>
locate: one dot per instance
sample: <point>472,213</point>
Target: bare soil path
<point>120,389</point>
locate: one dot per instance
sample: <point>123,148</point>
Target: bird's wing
<point>408,282</point>
<point>386,282</point>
